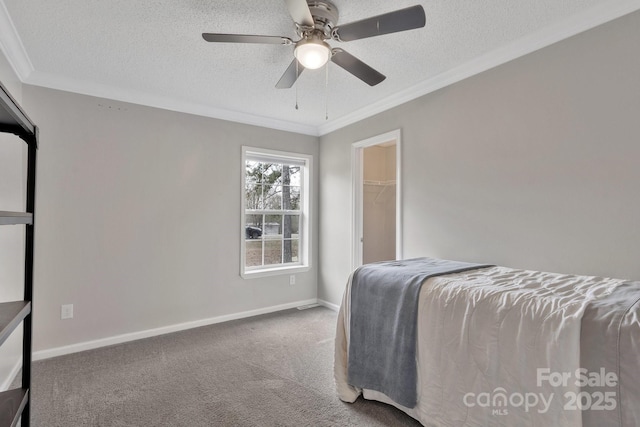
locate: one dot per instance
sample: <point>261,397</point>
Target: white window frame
<point>305,213</point>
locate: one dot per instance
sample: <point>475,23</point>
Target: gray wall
<point>138,218</point>
<point>533,164</point>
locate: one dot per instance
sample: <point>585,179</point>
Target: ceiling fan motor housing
<point>325,16</point>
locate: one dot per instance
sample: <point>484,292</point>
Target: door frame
<point>357,181</point>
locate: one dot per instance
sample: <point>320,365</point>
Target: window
<point>275,212</point>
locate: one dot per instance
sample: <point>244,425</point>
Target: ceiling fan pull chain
<point>326,93</point>
<point>297,74</point>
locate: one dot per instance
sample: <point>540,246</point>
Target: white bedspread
<point>502,347</point>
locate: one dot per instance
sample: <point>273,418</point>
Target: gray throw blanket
<point>384,312</point>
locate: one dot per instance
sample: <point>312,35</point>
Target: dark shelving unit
<point>14,403</point>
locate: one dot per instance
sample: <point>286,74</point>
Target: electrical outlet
<point>292,279</point>
<point>66,311</point>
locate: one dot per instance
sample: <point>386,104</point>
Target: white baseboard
<point>329,305</point>
<point>119,339</point>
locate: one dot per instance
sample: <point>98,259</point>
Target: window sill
<point>278,271</point>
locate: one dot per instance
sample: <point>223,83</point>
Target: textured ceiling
<point>152,52</point>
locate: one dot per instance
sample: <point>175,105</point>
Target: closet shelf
<point>11,218</point>
<point>379,183</point>
<point>12,403</point>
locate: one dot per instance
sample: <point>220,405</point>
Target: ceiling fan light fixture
<point>312,53</point>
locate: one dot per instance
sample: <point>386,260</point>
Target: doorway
<point>376,207</point>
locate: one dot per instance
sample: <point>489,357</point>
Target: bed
<point>496,346</point>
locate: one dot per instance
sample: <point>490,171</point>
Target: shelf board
<point>12,118</point>
<point>12,403</point>
<point>11,314</point>
<point>11,218</point>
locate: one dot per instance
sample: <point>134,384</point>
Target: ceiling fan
<point>315,24</point>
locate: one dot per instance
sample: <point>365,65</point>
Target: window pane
<point>290,226</point>
<point>253,256</point>
<point>273,197</point>
<point>253,172</point>
<point>253,196</point>
<point>290,250</point>
<point>273,252</point>
<point>272,174</point>
<point>295,175</point>
<point>291,198</point>
<point>272,227</point>
<point>253,227</point>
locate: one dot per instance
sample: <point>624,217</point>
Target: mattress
<point>505,347</point>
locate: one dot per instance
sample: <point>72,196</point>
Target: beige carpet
<point>271,370</point>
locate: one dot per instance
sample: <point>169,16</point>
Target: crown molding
<point>576,24</point>
<point>11,45</point>
<point>83,87</point>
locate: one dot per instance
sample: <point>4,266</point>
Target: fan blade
<point>245,38</point>
<point>356,67</point>
<point>392,22</point>
<point>290,75</point>
<point>299,11</point>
